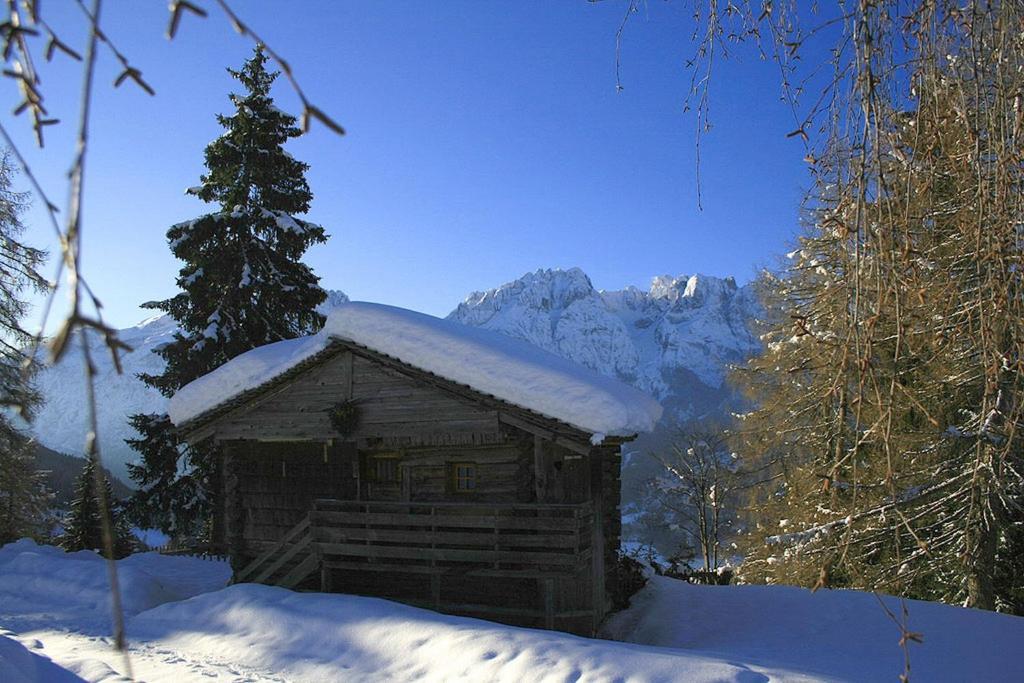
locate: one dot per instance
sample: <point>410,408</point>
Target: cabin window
<point>464,476</point>
<point>385,469</point>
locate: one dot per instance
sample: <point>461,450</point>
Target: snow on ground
<point>19,664</point>
<point>492,363</point>
<point>183,625</point>
<point>841,634</point>
<point>41,583</point>
<point>152,538</point>
<point>316,637</point>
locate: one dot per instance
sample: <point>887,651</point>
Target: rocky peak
<point>692,290</point>
<point>695,323</point>
<point>546,289</point>
<point>334,299</point>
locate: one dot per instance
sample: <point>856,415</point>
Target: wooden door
<point>382,475</point>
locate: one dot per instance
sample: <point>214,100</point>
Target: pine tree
<point>168,498</point>
<point>243,285</point>
<point>23,498</point>
<point>83,527</point>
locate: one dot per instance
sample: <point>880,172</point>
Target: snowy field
<point>184,625</point>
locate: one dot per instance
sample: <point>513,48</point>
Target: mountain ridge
<point>673,340</point>
<point>696,322</point>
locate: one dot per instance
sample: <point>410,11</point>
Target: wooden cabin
<point>354,471</point>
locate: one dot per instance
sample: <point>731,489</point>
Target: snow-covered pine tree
<point>167,498</point>
<point>243,285</point>
<point>23,499</point>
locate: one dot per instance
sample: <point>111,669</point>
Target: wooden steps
<point>288,563</point>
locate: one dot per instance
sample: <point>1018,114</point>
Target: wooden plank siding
<point>395,409</point>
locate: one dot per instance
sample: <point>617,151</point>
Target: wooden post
<point>403,479</point>
<point>325,572</point>
<point>435,590</point>
<point>358,465</point>
<point>540,470</point>
<point>234,524</point>
<point>597,538</point>
<point>435,576</point>
<point>218,534</point>
<point>497,538</point>
<point>549,603</point>
<point>348,366</point>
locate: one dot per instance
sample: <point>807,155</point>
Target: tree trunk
<point>981,561</point>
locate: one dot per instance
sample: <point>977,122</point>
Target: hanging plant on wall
<point>345,416</point>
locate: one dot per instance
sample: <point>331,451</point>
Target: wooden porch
<point>525,563</point>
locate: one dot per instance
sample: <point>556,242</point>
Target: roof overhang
<point>202,426</point>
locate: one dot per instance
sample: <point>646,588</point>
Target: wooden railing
<point>544,546</point>
<point>529,540</point>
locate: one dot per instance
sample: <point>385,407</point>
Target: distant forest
<point>62,470</point>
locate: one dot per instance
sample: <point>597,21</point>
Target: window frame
<point>472,478</point>
<point>393,460</point>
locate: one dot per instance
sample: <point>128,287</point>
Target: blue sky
<point>485,140</point>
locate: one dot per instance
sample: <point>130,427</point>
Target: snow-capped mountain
<point>674,340</point>
<point>62,420</point>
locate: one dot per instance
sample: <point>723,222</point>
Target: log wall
<point>280,454</point>
<point>396,410</point>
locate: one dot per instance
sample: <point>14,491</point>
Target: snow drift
<point>51,614</point>
<point>42,579</point>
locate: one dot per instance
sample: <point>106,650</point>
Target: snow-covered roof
<point>491,363</point>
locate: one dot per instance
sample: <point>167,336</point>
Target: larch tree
<point>23,498</point>
<point>243,285</point>
<point>890,391</point>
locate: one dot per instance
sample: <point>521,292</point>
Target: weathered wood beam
<point>536,430</point>
<point>540,470</point>
<point>528,572</point>
<point>504,541</point>
<point>560,509</point>
<point>203,426</point>
<point>481,556</point>
<point>598,594</point>
<point>549,603</point>
<point>483,521</point>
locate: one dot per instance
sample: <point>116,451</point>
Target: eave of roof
<point>338,345</point>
